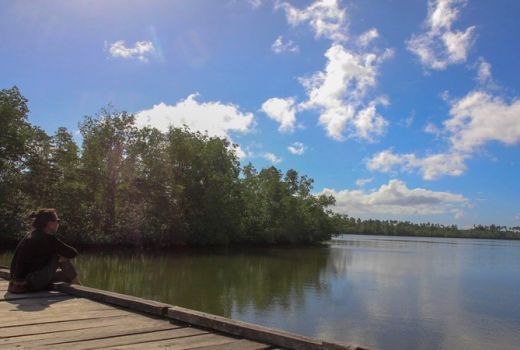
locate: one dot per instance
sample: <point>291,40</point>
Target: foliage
<point>143,187</point>
<point>350,225</point>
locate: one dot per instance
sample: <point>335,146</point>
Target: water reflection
<point>381,292</point>
<point>219,281</point>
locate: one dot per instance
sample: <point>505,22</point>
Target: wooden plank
<point>245,330</point>
<point>116,342</point>
<point>5,274</point>
<point>65,304</point>
<point>181,343</point>
<point>43,317</point>
<point>134,303</point>
<point>74,336</point>
<point>42,294</point>
<point>21,331</point>
<point>242,344</point>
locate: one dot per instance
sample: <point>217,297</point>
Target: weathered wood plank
<point>42,294</point>
<point>60,305</point>
<point>43,317</point>
<point>5,274</point>
<point>74,336</point>
<point>134,303</point>
<point>21,331</point>
<point>242,344</point>
<point>191,342</point>
<point>116,342</point>
<point>245,330</point>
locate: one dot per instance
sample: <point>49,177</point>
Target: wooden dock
<point>78,317</point>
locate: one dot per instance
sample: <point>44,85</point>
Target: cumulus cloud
<point>216,118</point>
<point>271,157</point>
<point>339,90</point>
<point>369,123</point>
<point>283,111</point>
<point>363,182</point>
<point>431,128</point>
<point>476,119</point>
<point>396,198</point>
<point>326,18</point>
<point>479,118</point>
<point>440,45</point>
<point>297,148</point>
<point>141,51</point>
<point>430,167</point>
<point>484,71</point>
<point>367,37</point>
<point>280,46</point>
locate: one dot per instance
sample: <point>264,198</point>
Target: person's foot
<point>76,281</point>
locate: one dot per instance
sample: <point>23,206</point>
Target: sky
<point>405,110</point>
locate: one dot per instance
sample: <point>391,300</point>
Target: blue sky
<point>403,109</point>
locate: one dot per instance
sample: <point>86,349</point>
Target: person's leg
<point>68,271</point>
<point>39,280</point>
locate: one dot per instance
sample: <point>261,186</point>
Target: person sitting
<point>40,258</point>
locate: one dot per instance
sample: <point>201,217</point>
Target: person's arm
<point>64,249</point>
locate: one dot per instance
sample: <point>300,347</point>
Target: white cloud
<point>484,71</point>
<point>339,90</point>
<point>325,16</point>
<point>440,46</point>
<point>255,3</point>
<point>457,213</point>
<point>141,51</point>
<point>367,37</point>
<point>396,198</point>
<point>385,161</point>
<point>280,46</point>
<point>369,123</point>
<point>271,157</point>
<point>431,167</point>
<point>297,148</point>
<point>479,118</point>
<point>363,182</point>
<point>431,128</point>
<point>215,118</point>
<point>282,110</point>
<point>475,120</point>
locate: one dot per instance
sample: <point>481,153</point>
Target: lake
<point>376,291</point>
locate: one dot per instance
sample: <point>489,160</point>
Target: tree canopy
<point>143,187</point>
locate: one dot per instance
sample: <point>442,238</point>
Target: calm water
<point>381,292</point>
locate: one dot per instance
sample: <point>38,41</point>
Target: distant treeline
<point>130,186</point>
<point>351,225</point>
<point>142,187</point>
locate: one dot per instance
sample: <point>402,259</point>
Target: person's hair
<point>42,217</point>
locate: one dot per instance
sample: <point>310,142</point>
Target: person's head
<point>45,219</point>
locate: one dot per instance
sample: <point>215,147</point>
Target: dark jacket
<point>35,251</point>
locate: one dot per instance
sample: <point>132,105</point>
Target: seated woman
<point>40,258</point>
